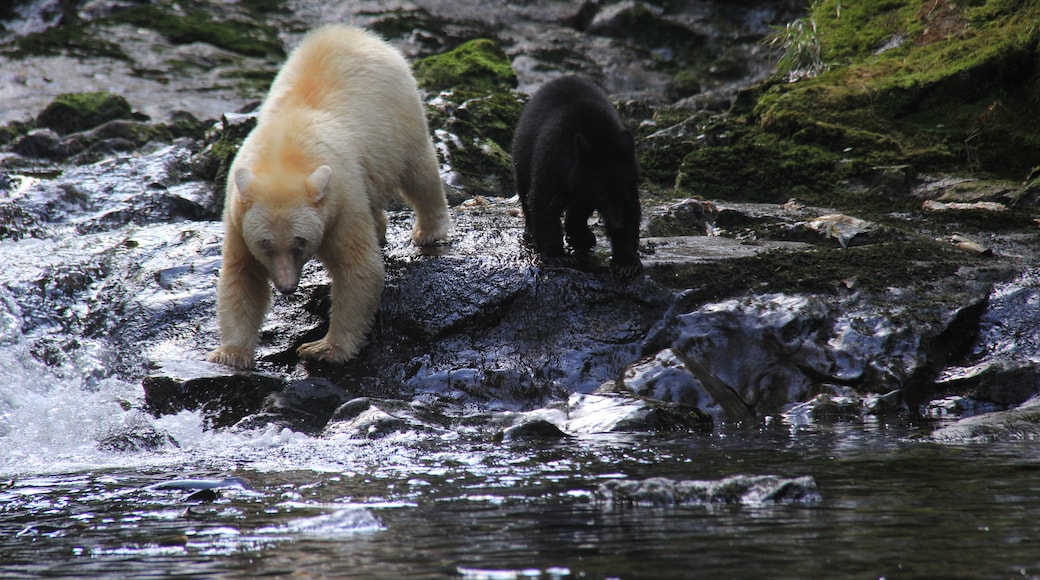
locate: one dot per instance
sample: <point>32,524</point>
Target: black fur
<point>572,155</point>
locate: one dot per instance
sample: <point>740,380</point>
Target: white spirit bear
<point>340,132</point>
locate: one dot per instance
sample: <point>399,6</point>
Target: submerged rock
<point>747,490</point>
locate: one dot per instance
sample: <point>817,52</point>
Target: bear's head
<point>282,220</point>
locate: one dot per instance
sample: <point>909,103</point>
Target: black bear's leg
<point>624,245</point>
<point>579,236</point>
<point>543,225</point>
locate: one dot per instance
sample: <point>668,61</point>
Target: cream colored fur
<point>341,131</point>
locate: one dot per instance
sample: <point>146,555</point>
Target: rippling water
<point>423,506</point>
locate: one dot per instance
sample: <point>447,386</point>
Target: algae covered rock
<point>942,85</point>
<point>474,114</point>
<point>479,66</point>
<point>73,112</point>
<point>931,86</point>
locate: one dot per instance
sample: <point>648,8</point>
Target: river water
<point>424,506</point>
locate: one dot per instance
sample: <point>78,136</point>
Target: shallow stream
<point>461,505</point>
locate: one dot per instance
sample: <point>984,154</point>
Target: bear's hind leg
<point>421,187</point>
<point>543,224</point>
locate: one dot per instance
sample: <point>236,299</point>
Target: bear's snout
<point>285,276</point>
<point>286,290</point>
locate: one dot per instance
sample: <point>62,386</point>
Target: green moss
<point>476,111</point>
<point>221,152</point>
<point>759,167</point>
<point>955,89</point>
<point>197,25</point>
<point>477,66</point>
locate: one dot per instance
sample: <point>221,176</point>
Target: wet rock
<point>648,26</point>
<point>304,406</point>
<point>1004,383</point>
<point>1021,423</point>
<point>535,430</point>
<point>748,490</point>
<point>773,350</point>
<point>17,223</point>
<point>365,418</point>
<point>223,400</point>
<point>663,377</point>
<point>618,414</point>
<point>826,409</point>
<point>136,438</point>
<point>42,143</point>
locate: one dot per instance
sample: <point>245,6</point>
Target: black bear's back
<point>560,109</point>
<point>571,104</point>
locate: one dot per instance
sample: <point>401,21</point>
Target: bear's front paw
<point>625,268</point>
<point>325,350</point>
<point>239,358</point>
<point>426,235</point>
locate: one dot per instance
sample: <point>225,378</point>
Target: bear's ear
<point>244,179</point>
<point>582,148</point>
<point>317,182</point>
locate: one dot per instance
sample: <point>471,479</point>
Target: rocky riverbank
<point>856,245</point>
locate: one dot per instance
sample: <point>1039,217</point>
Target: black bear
<point>571,154</point>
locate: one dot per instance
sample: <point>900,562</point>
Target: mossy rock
<point>215,160</point>
<point>74,112</point>
<point>757,167</point>
<point>475,113</point>
<point>477,66</point>
<point>947,86</point>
